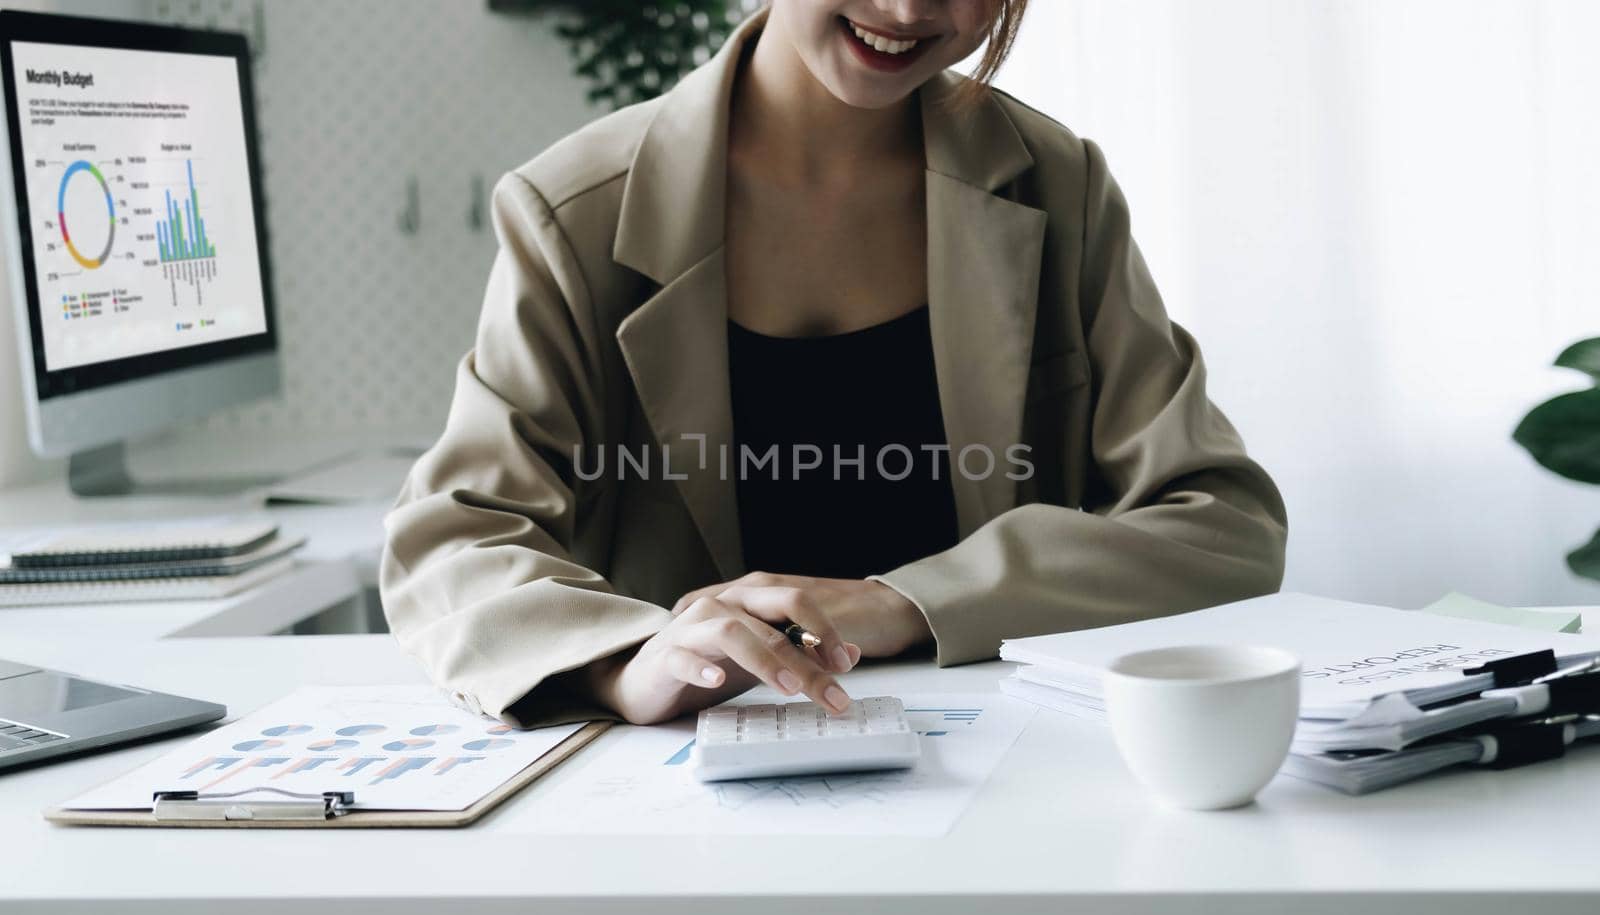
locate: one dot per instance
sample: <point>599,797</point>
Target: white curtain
<point>1382,220</point>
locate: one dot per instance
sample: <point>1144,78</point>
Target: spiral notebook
<point>161,543</point>
<point>197,587</point>
<point>275,548</point>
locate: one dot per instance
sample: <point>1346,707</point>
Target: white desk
<point>1059,828</point>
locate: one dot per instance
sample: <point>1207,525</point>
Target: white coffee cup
<point>1204,726</point>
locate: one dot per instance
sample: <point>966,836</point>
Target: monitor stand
<point>103,471</point>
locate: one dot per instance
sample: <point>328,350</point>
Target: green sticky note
<point>1470,608</point>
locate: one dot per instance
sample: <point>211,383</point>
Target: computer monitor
<point>137,239</point>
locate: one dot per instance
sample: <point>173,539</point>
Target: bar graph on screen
<point>187,252</point>
<point>182,235</point>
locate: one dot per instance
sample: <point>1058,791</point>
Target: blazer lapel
<point>676,347</point>
<point>671,229</point>
<point>984,256</point>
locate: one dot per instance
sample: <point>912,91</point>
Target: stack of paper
<point>1375,680</point>
<point>161,561</point>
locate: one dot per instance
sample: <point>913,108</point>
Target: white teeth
<point>882,44</point>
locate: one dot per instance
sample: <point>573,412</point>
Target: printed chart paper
<point>396,747</point>
<point>640,782</point>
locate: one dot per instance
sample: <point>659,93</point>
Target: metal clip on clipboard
<point>192,805</point>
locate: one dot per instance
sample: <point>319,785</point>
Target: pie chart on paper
<point>332,744</point>
<point>407,743</point>
<point>250,746</point>
<point>488,743</point>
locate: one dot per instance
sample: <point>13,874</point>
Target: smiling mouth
<point>881,50</point>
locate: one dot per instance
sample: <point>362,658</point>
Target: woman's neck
<point>801,130</point>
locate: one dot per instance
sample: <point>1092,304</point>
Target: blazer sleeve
<point>478,581</point>
<point>1179,518</point>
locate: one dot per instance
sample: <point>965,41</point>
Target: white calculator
<point>801,738</point>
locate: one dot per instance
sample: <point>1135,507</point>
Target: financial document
<point>639,781</point>
<point>396,747</point>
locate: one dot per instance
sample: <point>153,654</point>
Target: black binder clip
<point>192,805</point>
<point>1517,669</point>
<point>1573,695</point>
<point>1520,744</point>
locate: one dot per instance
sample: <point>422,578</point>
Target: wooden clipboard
<point>355,819</point>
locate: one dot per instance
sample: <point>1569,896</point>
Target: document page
<point>640,782</point>
<point>1349,652</point>
<point>396,747</point>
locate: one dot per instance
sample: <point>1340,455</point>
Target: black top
<point>869,394</point>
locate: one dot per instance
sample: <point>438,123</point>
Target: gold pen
<point>801,637</point>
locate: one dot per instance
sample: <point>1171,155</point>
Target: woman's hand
<point>715,649</point>
<point>871,615</point>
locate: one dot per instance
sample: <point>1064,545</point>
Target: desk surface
<point>1059,827</point>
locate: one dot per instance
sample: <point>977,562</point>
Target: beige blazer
<point>604,324</point>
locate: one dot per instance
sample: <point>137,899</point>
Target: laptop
<point>45,713</point>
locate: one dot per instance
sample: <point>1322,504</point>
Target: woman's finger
<point>726,637</point>
<point>815,681</point>
<point>685,601</point>
<point>783,605</point>
<point>765,653</point>
<point>751,579</point>
<point>693,669</point>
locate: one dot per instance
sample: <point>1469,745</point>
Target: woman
<point>828,336</point>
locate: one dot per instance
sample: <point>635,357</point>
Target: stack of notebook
<point>158,563</point>
<point>1385,696</point>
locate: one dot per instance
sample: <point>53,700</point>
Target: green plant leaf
<point>1563,434</point>
<point>1585,560</point>
<point>1583,356</point>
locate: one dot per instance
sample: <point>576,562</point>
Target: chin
<point>869,90</point>
<point>869,98</point>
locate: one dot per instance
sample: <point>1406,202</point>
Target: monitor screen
<point>134,173</point>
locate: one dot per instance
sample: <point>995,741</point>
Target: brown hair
<point>1005,20</point>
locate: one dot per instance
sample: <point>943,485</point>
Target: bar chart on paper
<point>397,748</point>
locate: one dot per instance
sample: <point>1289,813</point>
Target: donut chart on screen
<point>83,165</point>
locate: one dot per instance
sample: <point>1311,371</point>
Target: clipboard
<point>260,815</point>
